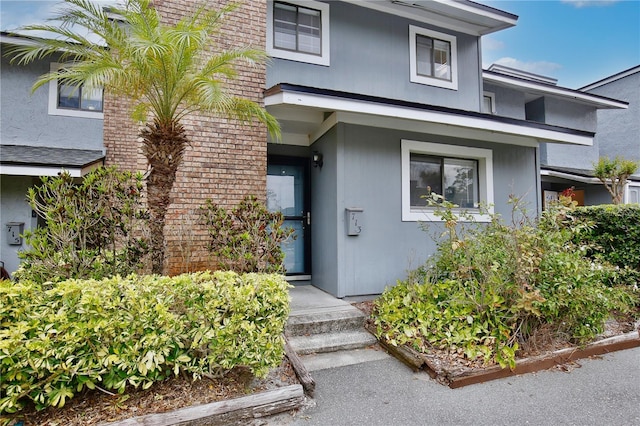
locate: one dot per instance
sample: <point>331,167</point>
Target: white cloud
<point>489,43</point>
<point>539,67</point>
<point>588,3</point>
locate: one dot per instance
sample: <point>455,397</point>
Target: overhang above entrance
<point>307,113</point>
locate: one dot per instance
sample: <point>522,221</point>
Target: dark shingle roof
<point>45,156</point>
<point>573,171</point>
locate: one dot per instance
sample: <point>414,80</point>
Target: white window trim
<point>492,96</point>
<point>53,101</point>
<point>421,79</point>
<point>324,59</point>
<point>485,177</point>
<point>630,186</point>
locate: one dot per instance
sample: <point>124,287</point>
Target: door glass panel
<point>294,248</point>
<point>285,193</point>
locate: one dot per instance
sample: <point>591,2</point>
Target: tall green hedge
<point>615,234</point>
<point>117,332</point>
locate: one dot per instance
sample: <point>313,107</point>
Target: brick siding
<point>226,159</point>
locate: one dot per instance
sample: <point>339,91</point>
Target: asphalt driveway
<point>599,391</point>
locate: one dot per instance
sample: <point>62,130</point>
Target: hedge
<point>615,236</point>
<point>56,340</point>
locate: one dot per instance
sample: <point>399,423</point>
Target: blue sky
<point>575,41</point>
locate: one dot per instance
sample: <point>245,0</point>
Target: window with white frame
<point>633,193</point>
<point>299,31</point>
<point>489,103</point>
<point>462,175</point>
<point>72,100</point>
<point>433,58</point>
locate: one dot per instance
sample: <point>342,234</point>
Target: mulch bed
<point>453,369</point>
<point>93,407</point>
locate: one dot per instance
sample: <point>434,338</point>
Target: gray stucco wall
<point>14,208</point>
<point>559,112</point>
<point>362,168</point>
<point>545,109</point>
<point>25,119</point>
<point>573,156</point>
<point>509,102</point>
<point>325,194</point>
<point>619,130</point>
<point>576,116</point>
<point>370,55</point>
<point>596,194</point>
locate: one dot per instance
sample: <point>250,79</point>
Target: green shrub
<point>491,286</point>
<point>58,339</point>
<point>93,229</point>
<point>615,235</point>
<point>248,238</point>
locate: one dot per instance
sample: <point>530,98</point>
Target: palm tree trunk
<point>163,146</point>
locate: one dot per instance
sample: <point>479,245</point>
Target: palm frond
<point>168,70</point>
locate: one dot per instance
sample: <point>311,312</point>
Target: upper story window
<point>74,101</point>
<point>299,31</point>
<point>433,58</point>
<point>462,175</point>
<point>489,103</point>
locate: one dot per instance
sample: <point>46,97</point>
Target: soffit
<point>533,90</point>
<point>464,16</point>
<point>306,114</point>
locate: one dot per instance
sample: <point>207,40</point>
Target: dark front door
<point>287,192</point>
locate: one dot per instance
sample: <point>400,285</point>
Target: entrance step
<point>333,341</point>
<point>322,361</point>
<point>329,320</point>
<point>327,332</point>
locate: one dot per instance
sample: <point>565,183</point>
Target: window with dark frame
<point>433,57</point>
<point>456,179</point>
<point>76,97</point>
<point>297,28</point>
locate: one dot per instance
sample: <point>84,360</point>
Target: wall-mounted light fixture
<point>317,159</point>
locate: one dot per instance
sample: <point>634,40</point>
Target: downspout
<point>481,85</point>
<point>538,180</point>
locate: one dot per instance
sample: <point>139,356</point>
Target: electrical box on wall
<point>354,220</point>
<point>14,232</point>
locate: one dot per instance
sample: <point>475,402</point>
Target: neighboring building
<point>618,134</point>
<point>40,134</point>
<point>381,103</point>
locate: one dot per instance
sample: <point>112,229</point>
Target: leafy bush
<point>615,235</point>
<point>60,338</point>
<point>490,287</point>
<point>248,238</point>
<point>94,228</point>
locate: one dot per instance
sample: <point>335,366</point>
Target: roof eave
<point>597,101</point>
<point>463,16</point>
<point>380,112</point>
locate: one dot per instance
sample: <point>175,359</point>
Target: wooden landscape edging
<point>307,382</point>
<point>458,378</point>
<point>224,412</point>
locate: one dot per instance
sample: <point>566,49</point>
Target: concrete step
<point>325,321</point>
<point>321,361</point>
<point>329,342</point>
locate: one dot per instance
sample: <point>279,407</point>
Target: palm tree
<point>168,71</point>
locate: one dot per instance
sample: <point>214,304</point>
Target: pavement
<point>597,391</point>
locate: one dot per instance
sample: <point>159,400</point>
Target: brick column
<point>226,160</point>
